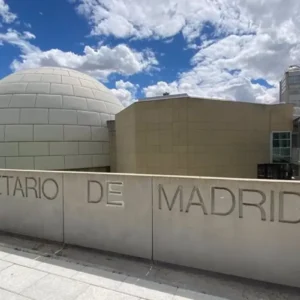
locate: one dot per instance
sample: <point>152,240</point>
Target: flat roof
<point>179,96</point>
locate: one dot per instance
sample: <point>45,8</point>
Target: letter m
<point>162,194</point>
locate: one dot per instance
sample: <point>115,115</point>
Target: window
<point>294,79</point>
<point>281,147</point>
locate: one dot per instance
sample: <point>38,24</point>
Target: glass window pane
<point>285,143</point>
<point>283,135</point>
<point>275,136</point>
<point>286,152</point>
<point>275,143</point>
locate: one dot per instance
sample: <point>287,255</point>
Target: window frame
<point>272,148</point>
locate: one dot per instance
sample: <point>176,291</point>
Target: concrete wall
<point>111,125</point>
<point>200,137</point>
<point>247,228</point>
<point>126,142</point>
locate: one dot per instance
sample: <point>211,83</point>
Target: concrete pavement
<point>38,270</point>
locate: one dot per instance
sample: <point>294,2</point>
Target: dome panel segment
<point>51,107</point>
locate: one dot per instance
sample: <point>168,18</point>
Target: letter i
<point>39,188</point>
<point>272,207</point>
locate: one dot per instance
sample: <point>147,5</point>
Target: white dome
<point>54,118</point>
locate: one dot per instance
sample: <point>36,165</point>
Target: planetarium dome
<point>54,118</point>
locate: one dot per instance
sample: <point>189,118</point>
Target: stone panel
<point>63,148</point>
<point>31,78</point>
<point>61,89</point>
<point>72,102</point>
<point>9,116</point>
<point>88,118</point>
<point>26,163</point>
<point>104,118</point>
<point>90,148</point>
<point>87,83</point>
<point>31,204</point>
<point>34,116</point>
<point>62,116</point>
<point>49,162</point>
<point>51,78</point>
<point>96,105</point>
<point>70,80</point>
<point>99,134</point>
<point>83,92</point>
<point>49,101</point>
<point>77,133</point>
<point>12,88</point>
<point>12,78</point>
<point>237,227</point>
<point>38,88</point>
<point>102,160</point>
<point>109,212</point>
<point>48,133</point>
<point>78,161</point>
<point>22,100</point>
<point>9,149</point>
<point>18,133</point>
<point>2,128</point>
<point>33,148</point>
<point>5,100</point>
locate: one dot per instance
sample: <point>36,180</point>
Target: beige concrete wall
<point>111,125</point>
<point>125,141</point>
<point>247,228</point>
<point>200,137</point>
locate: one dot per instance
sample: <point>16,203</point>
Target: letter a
<point>199,203</point>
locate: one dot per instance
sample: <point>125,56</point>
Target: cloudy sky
<point>231,49</point>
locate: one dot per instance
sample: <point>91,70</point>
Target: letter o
<point>43,189</point>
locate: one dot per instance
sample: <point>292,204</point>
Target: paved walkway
<point>43,271</point>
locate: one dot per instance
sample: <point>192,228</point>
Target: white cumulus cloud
<point>99,62</point>
<point>6,16</point>
<point>125,91</point>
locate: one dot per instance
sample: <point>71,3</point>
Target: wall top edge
<point>152,176</point>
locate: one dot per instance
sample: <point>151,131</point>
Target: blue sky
<point>139,48</point>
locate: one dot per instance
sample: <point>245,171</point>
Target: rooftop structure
<point>289,90</point>
<point>183,135</point>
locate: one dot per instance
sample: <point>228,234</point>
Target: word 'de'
<point>111,190</point>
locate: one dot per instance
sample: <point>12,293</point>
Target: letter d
<point>100,192</point>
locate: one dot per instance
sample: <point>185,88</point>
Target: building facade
<point>204,137</point>
<point>289,88</point>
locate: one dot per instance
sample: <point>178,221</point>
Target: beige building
<point>181,135</point>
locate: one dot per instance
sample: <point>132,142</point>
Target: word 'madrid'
<point>195,199</point>
<point>29,187</point>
